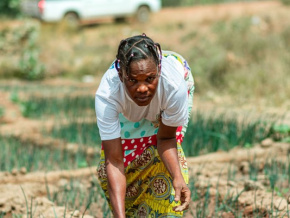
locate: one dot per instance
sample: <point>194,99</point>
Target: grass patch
<point>205,133</point>
<point>71,106</point>
<point>33,87</point>
<point>78,132</point>
<point>16,154</point>
<point>239,57</point>
<point>211,133</point>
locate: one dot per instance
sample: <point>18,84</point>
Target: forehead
<point>143,67</point>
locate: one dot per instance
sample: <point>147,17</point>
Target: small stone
<point>23,170</point>
<point>2,201</point>
<point>212,191</point>
<point>14,171</point>
<point>288,199</point>
<point>90,151</point>
<point>266,143</point>
<point>76,213</point>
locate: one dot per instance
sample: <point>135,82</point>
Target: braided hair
<point>137,48</point>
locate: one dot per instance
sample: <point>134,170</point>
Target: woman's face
<point>142,81</point>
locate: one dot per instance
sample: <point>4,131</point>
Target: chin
<point>142,103</point>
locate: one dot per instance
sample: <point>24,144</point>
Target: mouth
<point>143,99</point>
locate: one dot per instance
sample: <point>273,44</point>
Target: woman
<point>142,105</point>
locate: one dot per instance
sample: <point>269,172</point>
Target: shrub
<point>286,2</point>
<point>10,7</point>
<point>19,52</point>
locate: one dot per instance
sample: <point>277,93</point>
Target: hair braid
<point>137,48</point>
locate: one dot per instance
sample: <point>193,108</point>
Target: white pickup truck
<point>75,12</point>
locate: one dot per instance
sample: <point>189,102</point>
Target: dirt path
<point>206,13</point>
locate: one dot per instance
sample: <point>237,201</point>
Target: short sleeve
<point>176,112</point>
<point>107,119</point>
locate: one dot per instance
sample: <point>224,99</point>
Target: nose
<point>142,88</point>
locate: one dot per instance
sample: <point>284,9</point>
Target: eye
<point>150,78</point>
<point>132,80</point>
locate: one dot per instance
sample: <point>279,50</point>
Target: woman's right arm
<point>116,175</point>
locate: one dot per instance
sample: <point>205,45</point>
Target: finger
<point>177,194</point>
<point>186,195</point>
<point>182,198</point>
<point>181,207</point>
<point>185,199</point>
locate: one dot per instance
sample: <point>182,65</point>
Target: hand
<point>182,193</point>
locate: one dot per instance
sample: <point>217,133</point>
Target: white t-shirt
<point>170,100</point>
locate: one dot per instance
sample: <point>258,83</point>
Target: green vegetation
<point>10,8</point>
<point>281,132</point>
<point>67,106</point>
<point>238,58</point>
<point>30,66</point>
<point>30,88</point>
<point>19,51</point>
<point>16,154</point>
<point>83,133</point>
<point>286,2</point>
<point>222,132</point>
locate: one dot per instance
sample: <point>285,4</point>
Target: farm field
<point>238,140</point>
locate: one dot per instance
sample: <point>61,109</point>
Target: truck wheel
<point>71,20</point>
<point>119,19</point>
<point>143,14</point>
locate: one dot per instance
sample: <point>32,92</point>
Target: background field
<point>238,139</point>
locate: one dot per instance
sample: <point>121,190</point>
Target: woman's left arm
<point>167,149</point>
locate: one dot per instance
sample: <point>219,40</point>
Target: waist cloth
<point>149,189</point>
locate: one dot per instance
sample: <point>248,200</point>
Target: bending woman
<point>143,105</point>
